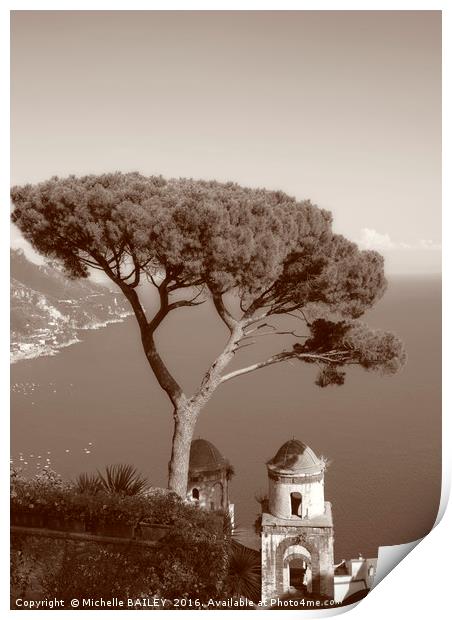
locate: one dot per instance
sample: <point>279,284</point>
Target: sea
<point>96,403</point>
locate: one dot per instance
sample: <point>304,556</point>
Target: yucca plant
<point>88,483</point>
<point>244,572</point>
<point>122,479</point>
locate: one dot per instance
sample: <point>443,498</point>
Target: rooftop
<point>294,457</point>
<point>204,456</point>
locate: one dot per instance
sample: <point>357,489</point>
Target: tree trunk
<point>186,411</point>
<point>184,426</point>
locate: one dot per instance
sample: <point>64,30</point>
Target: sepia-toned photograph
<point>225,298</point>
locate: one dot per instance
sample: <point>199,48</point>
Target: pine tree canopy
<point>276,254</point>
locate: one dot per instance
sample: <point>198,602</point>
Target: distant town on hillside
<point>48,310</point>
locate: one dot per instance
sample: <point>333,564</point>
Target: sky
<point>341,107</point>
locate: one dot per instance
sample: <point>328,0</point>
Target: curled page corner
<point>445,495</point>
<point>389,557</point>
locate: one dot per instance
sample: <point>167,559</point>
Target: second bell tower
<point>297,526</point>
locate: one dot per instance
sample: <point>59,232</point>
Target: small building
<point>297,526</point>
<point>354,578</point>
<point>208,478</point>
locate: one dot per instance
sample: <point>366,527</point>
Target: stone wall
<point>313,541</point>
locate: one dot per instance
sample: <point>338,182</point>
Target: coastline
<point>35,350</point>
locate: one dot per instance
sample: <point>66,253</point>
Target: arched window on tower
<point>216,496</point>
<point>195,493</point>
<point>295,504</point>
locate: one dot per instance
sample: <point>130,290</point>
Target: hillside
<point>48,310</point>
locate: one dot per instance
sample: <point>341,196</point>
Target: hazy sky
<point>342,107</point>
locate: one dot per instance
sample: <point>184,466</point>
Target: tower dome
<point>294,457</point>
<point>295,477</point>
<point>204,457</point>
<point>208,477</point>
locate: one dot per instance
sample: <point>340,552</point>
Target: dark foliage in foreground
<point>46,496</point>
<point>190,561</point>
<point>244,572</point>
<point>122,479</point>
<point>88,483</point>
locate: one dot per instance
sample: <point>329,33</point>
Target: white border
<point>419,585</point>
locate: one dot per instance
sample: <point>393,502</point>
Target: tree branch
<point>184,303</point>
<point>251,320</point>
<point>129,292</point>
<point>136,272</point>
<point>275,332</point>
<point>276,359</point>
<point>258,302</point>
<point>223,312</point>
<point>178,284</point>
<point>165,379</point>
<point>246,344</point>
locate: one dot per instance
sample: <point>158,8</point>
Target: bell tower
<point>208,478</point>
<point>297,526</point>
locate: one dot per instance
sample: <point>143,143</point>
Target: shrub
<point>189,562</point>
<point>47,496</point>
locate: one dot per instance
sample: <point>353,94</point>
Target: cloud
<point>427,244</point>
<point>370,239</point>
